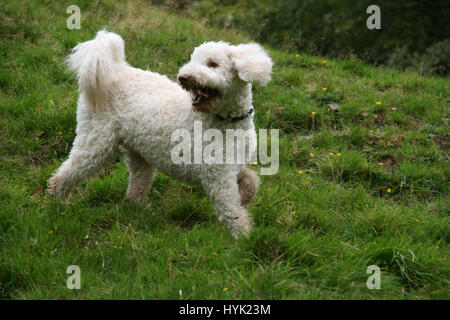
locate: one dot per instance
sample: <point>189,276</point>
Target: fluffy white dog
<point>123,106</point>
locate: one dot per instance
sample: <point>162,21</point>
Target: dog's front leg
<point>224,194</point>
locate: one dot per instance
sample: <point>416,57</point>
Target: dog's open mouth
<point>203,96</point>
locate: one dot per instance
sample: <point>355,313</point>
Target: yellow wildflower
<point>324,89</point>
<point>378,103</point>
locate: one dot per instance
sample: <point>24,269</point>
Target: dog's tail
<point>96,64</point>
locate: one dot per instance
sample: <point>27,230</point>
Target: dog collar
<point>235,119</point>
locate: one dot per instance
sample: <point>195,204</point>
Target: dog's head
<point>216,68</point>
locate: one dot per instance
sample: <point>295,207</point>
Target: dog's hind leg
<point>141,177</point>
<point>95,146</point>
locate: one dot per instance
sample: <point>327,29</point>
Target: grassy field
<point>364,185</point>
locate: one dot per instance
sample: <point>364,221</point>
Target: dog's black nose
<point>184,79</point>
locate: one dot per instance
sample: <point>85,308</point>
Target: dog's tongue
<point>204,94</point>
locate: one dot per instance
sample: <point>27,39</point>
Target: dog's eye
<point>212,64</point>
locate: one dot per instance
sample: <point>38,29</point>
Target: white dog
<point>140,110</point>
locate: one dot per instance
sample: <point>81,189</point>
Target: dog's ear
<point>252,63</point>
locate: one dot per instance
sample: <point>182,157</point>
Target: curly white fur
<point>122,105</point>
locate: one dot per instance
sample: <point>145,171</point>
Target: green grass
<point>350,211</point>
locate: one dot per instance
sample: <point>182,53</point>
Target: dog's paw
<point>240,234</point>
<point>55,187</point>
<point>241,226</point>
<point>136,199</point>
<point>136,195</point>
